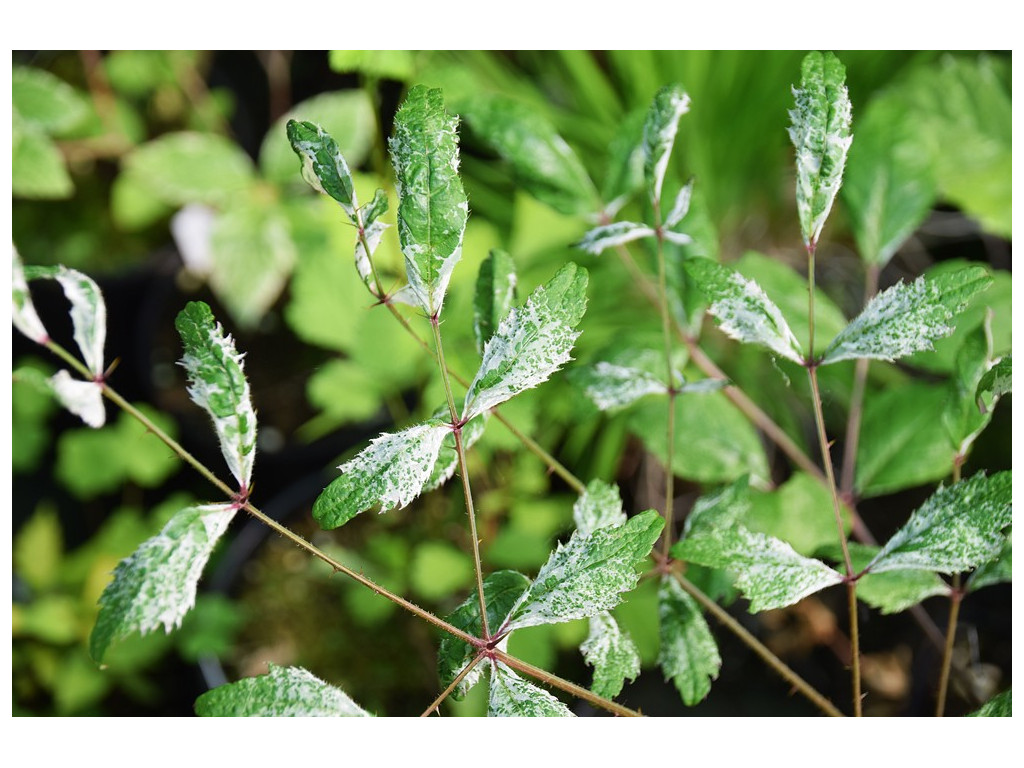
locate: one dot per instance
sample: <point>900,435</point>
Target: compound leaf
<point>391,471</point>
<point>820,132</point>
<point>612,653</point>
<point>531,342</point>
<point>218,385</point>
<point>432,206</point>
<point>282,692</point>
<point>906,318</point>
<point>660,128</point>
<point>587,575</point>
<point>157,584</point>
<point>512,696</point>
<point>688,653</point>
<point>743,310</point>
<point>958,528</point>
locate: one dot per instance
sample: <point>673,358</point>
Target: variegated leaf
<point>660,128</point>
<point>587,575</point>
<point>88,311</point>
<point>906,317</point>
<point>156,586</point>
<point>282,692</point>
<point>612,386</point>
<point>24,314</point>
<point>599,239</point>
<point>82,398</point>
<point>613,655</point>
<point>680,208</point>
<point>495,291</point>
<point>743,310</point>
<point>958,528</point>
<point>448,458</point>
<point>531,343</point>
<point>688,654</point>
<point>512,696</point>
<point>768,571</point>
<point>391,472</point>
<point>820,132</point>
<point>432,206</point>
<point>998,379</point>
<point>997,706</point>
<point>323,165</point>
<point>996,571</point>
<point>373,233</point>
<point>218,385</point>
<point>599,506</point>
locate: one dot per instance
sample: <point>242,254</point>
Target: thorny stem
<point>860,378</point>
<point>448,691</point>
<point>956,595</point>
<point>760,649</point>
<point>463,471</point>
<point>565,685</point>
<point>826,460</point>
<point>666,332</point>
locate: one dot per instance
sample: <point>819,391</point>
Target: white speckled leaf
<point>998,379</point>
<point>531,343</point>
<point>719,509</point>
<point>24,316</point>
<point>597,240</point>
<point>613,655</point>
<point>495,291</point>
<point>501,591</point>
<point>958,528</point>
<point>599,506</point>
<point>688,654</point>
<point>906,317</point>
<point>88,311</point>
<point>432,206</point>
<point>743,310</point>
<point>660,128</point>
<point>156,586</point>
<point>588,574</point>
<point>374,233</point>
<point>680,208</point>
<point>820,132</point>
<point>282,692</point>
<point>323,165</point>
<point>768,571</point>
<point>995,571</point>
<point>512,696</point>
<point>218,385</point>
<point>448,458</point>
<point>612,386</point>
<point>391,471</point>
<point>82,398</point>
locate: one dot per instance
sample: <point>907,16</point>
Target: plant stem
<point>860,378</point>
<point>565,685</point>
<point>463,472</point>
<point>448,691</point>
<point>666,333</point>
<point>955,598</point>
<point>760,649</point>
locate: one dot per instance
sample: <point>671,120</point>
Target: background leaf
<point>282,692</point>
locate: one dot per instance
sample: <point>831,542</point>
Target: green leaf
<point>512,696</point>
<point>893,591</point>
<point>502,589</point>
<point>660,128</point>
<point>37,549</point>
<point>283,692</point>
<point>587,575</point>
<point>719,509</point>
<point>432,206</point>
<point>323,165</point>
<point>349,118</point>
<point>768,571</point>
<point>743,310</point>
<point>962,417</point>
<point>218,385</point>
<point>599,506</point>
<point>625,166</point>
<point>88,311</point>
<point>890,186</point>
<point>190,167</point>
<point>958,528</point>
<point>689,654</point>
<point>997,380</point>
<point>134,205</point>
<point>531,342</point>
<point>903,444</point>
<point>613,655</point>
<point>611,387</point>
<point>820,132</point>
<point>392,65</point>
<point>37,166</point>
<point>799,512</point>
<point>391,472</point>
<point>599,239</point>
<point>495,291</point>
<point>156,586</point>
<point>998,706</point>
<point>438,569</point>
<point>997,571</point>
<point>723,452</point>
<point>906,318</point>
<point>46,102</point>
<point>23,311</point>
<point>544,165</point>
